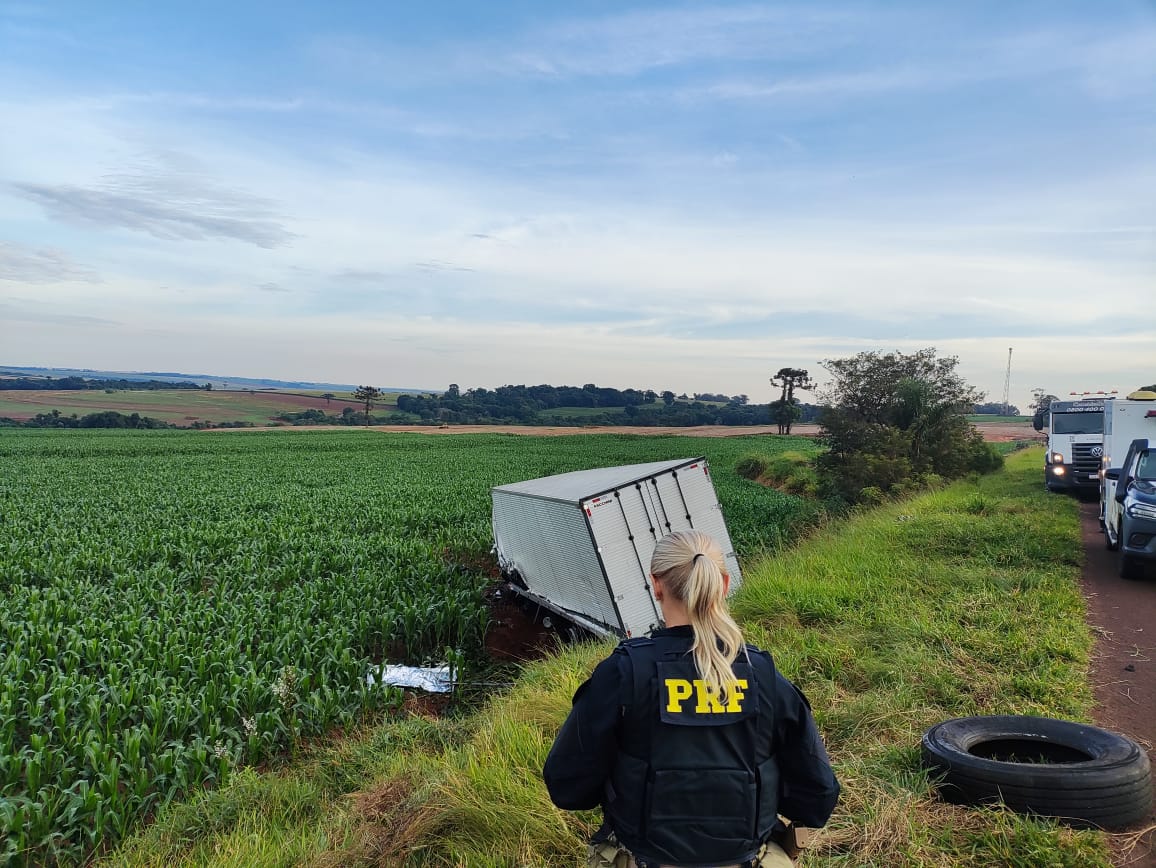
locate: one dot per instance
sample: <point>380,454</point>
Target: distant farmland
<point>179,406</point>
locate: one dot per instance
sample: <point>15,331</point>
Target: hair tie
<point>697,556</point>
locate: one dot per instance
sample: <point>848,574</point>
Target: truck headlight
<point>1058,470</point>
<point>1141,510</point>
<point>1057,458</point>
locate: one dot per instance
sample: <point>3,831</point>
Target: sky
<point>684,196</point>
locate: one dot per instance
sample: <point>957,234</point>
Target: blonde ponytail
<point>691,566</point>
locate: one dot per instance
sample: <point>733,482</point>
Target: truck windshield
<point>1146,469</point>
<point>1077,423</point>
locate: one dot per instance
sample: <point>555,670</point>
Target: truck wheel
<point>1130,567</point>
<point>1082,775</point>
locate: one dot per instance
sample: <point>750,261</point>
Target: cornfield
<point>176,605</point>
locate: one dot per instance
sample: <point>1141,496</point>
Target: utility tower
<point>1007,381</point>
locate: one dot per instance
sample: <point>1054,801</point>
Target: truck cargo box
<point>580,543</point>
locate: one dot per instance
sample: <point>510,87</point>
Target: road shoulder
<point>1122,614</point>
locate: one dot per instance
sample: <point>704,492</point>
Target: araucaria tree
<point>785,411</point>
<point>897,421</point>
<point>367,395</point>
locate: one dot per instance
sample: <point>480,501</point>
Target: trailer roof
<point>579,485</point>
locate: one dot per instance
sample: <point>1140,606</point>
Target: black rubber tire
<point>1097,779</point>
<point>1130,567</point>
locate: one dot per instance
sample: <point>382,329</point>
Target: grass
<point>963,601</point>
<point>788,471</point>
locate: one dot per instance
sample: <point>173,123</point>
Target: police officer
<point>691,741</point>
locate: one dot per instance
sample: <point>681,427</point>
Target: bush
<point>752,466</point>
<point>883,470</point>
<point>896,423</point>
<point>984,458</point>
<point>793,473</point>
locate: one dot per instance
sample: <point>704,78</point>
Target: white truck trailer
<point>1075,444</point>
<point>1128,490</point>
<point>579,544</point>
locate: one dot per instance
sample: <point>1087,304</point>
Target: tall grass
<point>959,602</point>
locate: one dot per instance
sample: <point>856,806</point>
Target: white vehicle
<point>1075,444</point>
<point>1128,491</point>
<point>579,544</point>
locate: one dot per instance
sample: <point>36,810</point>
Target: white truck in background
<point>1128,488</point>
<point>1075,444</point>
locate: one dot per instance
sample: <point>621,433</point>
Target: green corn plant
<point>154,586</point>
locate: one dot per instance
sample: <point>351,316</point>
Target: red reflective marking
<point>589,514</point>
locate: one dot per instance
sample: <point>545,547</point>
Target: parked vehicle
<point>579,544</point>
<point>1128,490</point>
<point>1075,444</point>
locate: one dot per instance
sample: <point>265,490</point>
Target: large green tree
<point>894,420</point>
<point>785,411</point>
<point>367,395</point>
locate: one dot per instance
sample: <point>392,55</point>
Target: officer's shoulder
<point>760,657</point>
<point>755,650</point>
<point>626,645</point>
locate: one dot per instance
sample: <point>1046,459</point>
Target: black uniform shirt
<point>584,750</point>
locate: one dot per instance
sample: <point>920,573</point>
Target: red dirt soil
<point>1122,614</point>
<point>516,632</point>
<point>172,406</point>
<point>992,432</point>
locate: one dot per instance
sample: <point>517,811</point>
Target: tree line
<point>547,405</point>
<point>81,384</point>
<point>103,419</point>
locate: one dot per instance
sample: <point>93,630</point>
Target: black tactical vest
<point>695,781</point>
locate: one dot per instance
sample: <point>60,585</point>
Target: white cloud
<point>627,256</point>
<point>631,42</point>
<point>376,216</point>
<point>21,263</point>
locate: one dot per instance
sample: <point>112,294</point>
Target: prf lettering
<point>678,690</point>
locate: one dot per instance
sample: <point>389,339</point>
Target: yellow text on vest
<point>678,690</point>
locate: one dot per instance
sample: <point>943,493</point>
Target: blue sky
<point>684,196</point>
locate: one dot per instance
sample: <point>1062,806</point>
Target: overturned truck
<point>579,544</point>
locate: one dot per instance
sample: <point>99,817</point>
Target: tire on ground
<point>1080,774</point>
<point>1130,567</point>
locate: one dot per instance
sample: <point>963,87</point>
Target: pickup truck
<point>1129,506</point>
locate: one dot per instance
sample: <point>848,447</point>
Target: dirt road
<point>993,432</point>
<point>1123,672</point>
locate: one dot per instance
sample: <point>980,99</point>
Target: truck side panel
<point>621,523</point>
<point>548,544</point>
<point>628,522</point>
<point>706,513</point>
